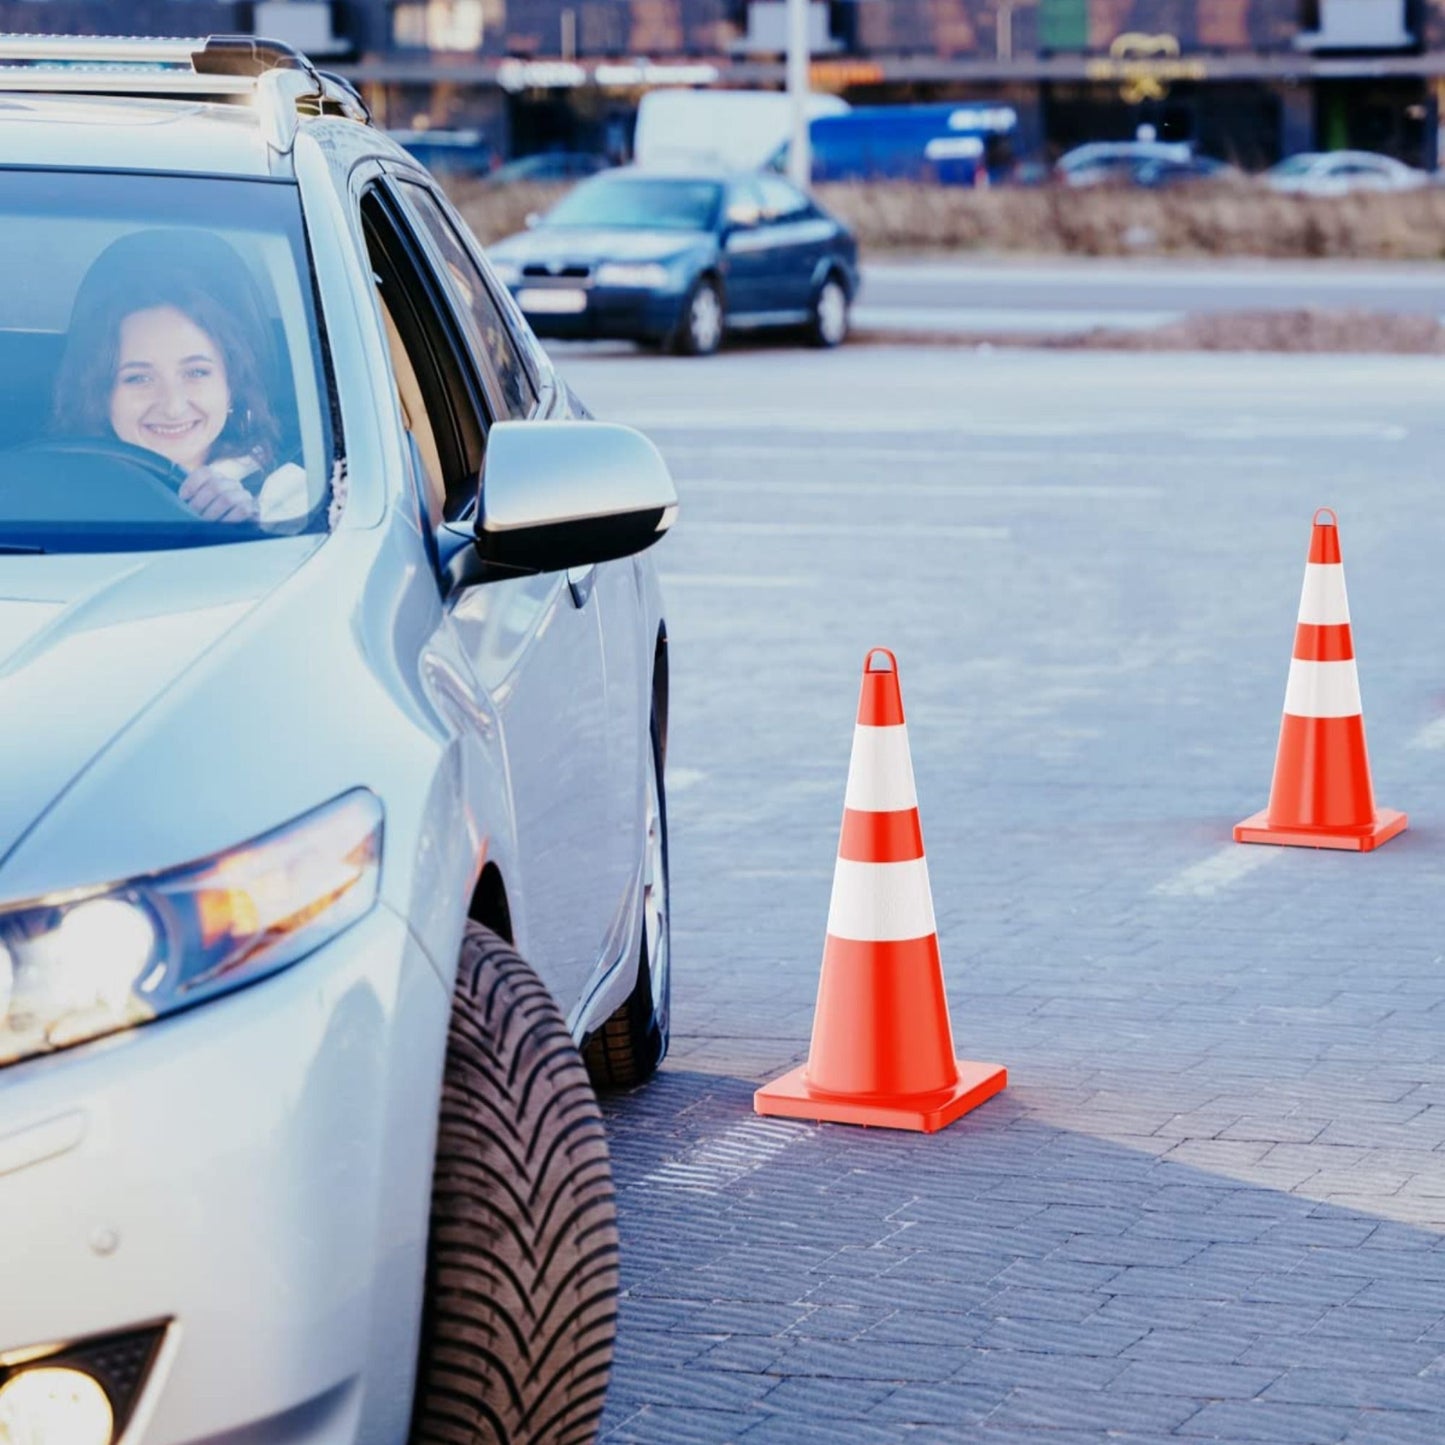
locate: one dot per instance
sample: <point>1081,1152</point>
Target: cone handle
<point>872,653</point>
<point>1330,511</point>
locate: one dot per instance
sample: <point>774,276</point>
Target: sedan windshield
<point>633,203</point>
<point>161,378</point>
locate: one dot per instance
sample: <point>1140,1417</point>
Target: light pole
<point>800,155</point>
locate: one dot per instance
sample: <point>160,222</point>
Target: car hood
<point>89,641</point>
<point>584,245</point>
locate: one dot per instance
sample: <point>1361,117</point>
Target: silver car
<point>1339,173</point>
<point>333,682</point>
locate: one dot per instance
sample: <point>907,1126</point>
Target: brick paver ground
<point>1211,1204</point>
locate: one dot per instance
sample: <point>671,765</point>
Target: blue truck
<point>964,144</point>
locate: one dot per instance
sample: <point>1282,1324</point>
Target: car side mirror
<point>558,494</point>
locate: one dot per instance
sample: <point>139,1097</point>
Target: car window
<point>646,203</point>
<point>158,331</point>
<point>782,202</point>
<point>745,204</point>
<point>487,327</point>
<point>441,407</point>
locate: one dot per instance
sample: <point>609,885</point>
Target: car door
<point>798,238</point>
<point>746,248</point>
<point>534,642</point>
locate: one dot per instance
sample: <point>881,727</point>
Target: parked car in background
<point>725,129</point>
<point>681,258</point>
<point>298,764</point>
<point>1101,162</point>
<point>1167,173</point>
<point>949,145</point>
<point>449,152</point>
<point>549,167</point>
<point>1337,173</point>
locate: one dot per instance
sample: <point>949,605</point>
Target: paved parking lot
<point>1210,1205</point>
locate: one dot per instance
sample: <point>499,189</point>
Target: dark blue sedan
<point>680,259</point>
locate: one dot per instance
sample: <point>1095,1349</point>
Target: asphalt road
<point>1210,1205</point>
<point>1064,295</point>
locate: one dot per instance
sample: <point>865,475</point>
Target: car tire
<point>700,330</point>
<point>627,1049</point>
<point>521,1302</point>
<point>829,325</point>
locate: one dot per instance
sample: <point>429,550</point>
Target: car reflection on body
<point>682,258</point>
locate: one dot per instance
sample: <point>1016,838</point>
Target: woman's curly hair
<point>204,278</point>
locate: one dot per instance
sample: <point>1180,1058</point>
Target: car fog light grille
<point>79,1394</point>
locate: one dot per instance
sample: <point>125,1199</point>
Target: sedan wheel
<point>701,331</point>
<point>830,314</point>
<point>521,1301</point>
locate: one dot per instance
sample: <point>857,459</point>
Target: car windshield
<point>1295,165</point>
<point>634,203</point>
<point>161,378</point>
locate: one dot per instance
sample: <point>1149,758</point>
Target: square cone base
<point>1257,830</point>
<point>791,1097</point>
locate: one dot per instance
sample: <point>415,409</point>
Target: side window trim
<point>514,328</point>
<point>442,300</point>
<point>434,329</point>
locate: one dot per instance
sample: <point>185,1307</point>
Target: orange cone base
<point>1387,823</point>
<point>791,1097</point>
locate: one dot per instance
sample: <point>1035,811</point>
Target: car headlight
<point>620,273</point>
<point>78,965</point>
<point>507,272</point>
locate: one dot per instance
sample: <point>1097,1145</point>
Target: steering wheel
<point>164,478</point>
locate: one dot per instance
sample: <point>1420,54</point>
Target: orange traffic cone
<point>882,1050</point>
<point>1322,796</point>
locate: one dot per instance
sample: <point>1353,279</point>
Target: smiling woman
<point>186,386</point>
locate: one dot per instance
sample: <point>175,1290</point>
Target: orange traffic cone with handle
<point>882,1050</point>
<point>1322,796</point>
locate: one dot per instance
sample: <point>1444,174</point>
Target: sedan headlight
<point>642,274</point>
<point>78,965</point>
<point>507,272</point>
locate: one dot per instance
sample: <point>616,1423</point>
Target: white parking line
<point>1217,872</point>
<point>742,1150</point>
<point>679,780</point>
<point>1431,737</point>
<point>785,450</point>
<point>942,421</point>
<point>852,529</point>
<point>1017,492</point>
<point>733,579</point>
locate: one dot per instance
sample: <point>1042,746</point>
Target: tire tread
<point>522,1260</point>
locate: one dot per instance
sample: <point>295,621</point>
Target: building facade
<point>1246,80</point>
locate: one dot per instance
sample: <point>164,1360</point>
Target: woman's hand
<point>215,497</point>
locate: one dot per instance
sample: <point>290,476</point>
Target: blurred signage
<point>838,75</point>
<point>1144,66</point>
<point>515,75</point>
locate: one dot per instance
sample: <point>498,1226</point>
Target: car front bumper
<point>256,1174</point>
<point>609,313</point>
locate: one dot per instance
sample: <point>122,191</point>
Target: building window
<point>439,24</point>
<point>1063,25</point>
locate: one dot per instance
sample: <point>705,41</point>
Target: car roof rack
<point>281,79</point>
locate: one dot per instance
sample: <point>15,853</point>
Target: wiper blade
<point>20,549</point>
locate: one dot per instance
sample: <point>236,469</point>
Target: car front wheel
<point>700,332</point>
<point>829,326</point>
<point>521,1309</point>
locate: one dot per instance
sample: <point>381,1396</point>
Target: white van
<point>732,129</point>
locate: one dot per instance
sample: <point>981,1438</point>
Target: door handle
<point>579,584</point>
